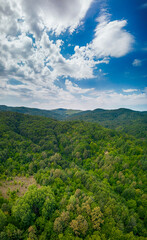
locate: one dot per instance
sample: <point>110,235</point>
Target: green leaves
<point>35,203</point>
<point>79,225</point>
<point>92,180</point>
<point>3,220</point>
<point>97,218</point>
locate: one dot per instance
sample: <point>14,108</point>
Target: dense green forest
<point>90,181</point>
<point>125,120</point>
<point>32,111</point>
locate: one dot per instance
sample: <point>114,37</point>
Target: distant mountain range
<point>58,114</point>
<point>129,121</point>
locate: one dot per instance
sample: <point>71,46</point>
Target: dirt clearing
<point>18,184</point>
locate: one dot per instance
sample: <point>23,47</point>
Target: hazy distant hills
<point>66,113</point>
<point>31,111</point>
<point>58,114</point>
<point>129,121</point>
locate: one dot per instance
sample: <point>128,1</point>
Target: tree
<point>79,225</point>
<point>35,203</point>
<point>32,233</point>
<point>65,218</point>
<point>61,222</point>
<point>11,233</point>
<point>48,207</point>
<point>96,217</point>
<point>3,219</point>
<point>58,225</point>
<point>56,158</point>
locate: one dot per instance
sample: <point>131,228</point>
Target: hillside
<point>90,181</point>
<point>125,120</point>
<point>58,114</point>
<point>31,111</point>
<point>129,121</point>
<point>65,113</point>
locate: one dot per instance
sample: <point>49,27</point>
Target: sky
<point>75,54</point>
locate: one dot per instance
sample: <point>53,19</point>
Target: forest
<point>66,180</point>
<point>122,119</point>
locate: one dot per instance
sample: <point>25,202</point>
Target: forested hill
<point>128,121</point>
<point>32,111</point>
<point>90,181</point>
<point>58,114</point>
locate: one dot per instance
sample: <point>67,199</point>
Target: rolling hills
<point>125,120</point>
<point>129,121</point>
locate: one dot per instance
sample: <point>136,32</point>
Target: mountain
<point>32,111</point>
<point>65,113</point>
<point>129,121</point>
<point>89,180</point>
<point>59,114</point>
<point>125,120</point>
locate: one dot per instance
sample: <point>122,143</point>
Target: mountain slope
<point>91,180</point>
<point>32,111</point>
<point>129,121</point>
<point>65,113</point>
<point>126,120</point>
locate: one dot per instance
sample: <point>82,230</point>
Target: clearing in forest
<point>17,185</point>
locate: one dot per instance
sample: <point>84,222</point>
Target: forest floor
<point>18,185</point>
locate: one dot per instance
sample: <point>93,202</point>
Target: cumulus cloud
<point>113,100</point>
<point>36,15</point>
<point>40,60</point>
<point>10,12</point>
<point>29,56</point>
<point>55,15</point>
<point>111,39</point>
<point>130,90</point>
<point>75,89</point>
<point>136,63</point>
<point>55,97</point>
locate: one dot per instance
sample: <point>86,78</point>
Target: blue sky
<point>79,54</point>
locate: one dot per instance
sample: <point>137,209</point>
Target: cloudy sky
<point>78,54</point>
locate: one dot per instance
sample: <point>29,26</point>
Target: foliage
<point>124,120</point>
<point>92,180</point>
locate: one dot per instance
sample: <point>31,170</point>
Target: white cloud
<point>137,63</point>
<point>113,100</point>
<point>111,39</point>
<point>55,15</point>
<point>55,97</point>
<point>36,15</point>
<point>75,89</point>
<point>38,63</point>
<point>10,12</point>
<point>42,61</point>
<point>130,90</point>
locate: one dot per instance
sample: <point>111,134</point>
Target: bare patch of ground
<point>18,184</point>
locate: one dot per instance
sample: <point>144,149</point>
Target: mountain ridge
<point>61,110</point>
<point>123,119</point>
